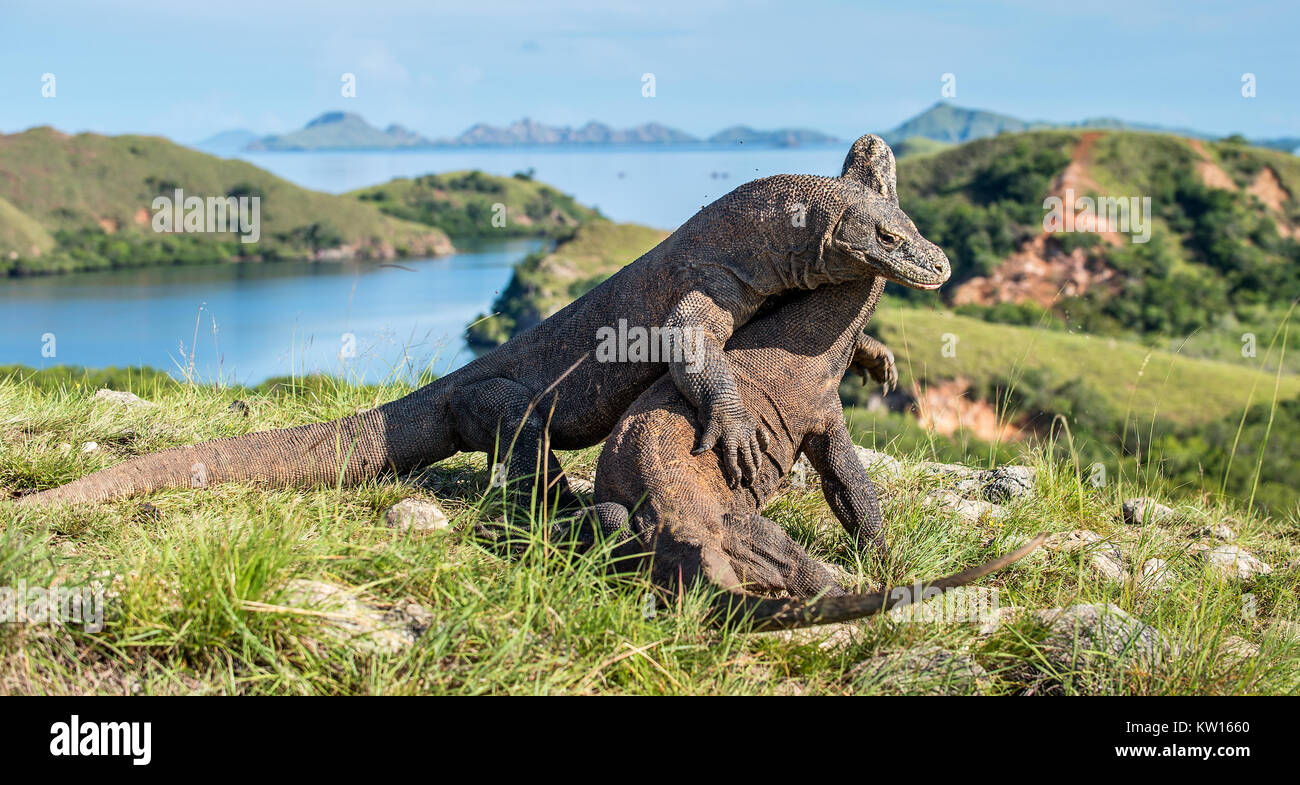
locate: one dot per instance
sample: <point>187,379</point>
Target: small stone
<point>1104,557</point>
<point>801,473</point>
<point>417,515</point>
<point>123,398</point>
<point>240,407</point>
<point>927,670</point>
<point>1219,531</point>
<point>1084,641</point>
<point>878,464</point>
<point>1007,483</point>
<point>349,620</point>
<point>968,510</point>
<point>1235,649</point>
<point>828,637</point>
<point>1144,510</point>
<point>89,446</point>
<point>1001,616</point>
<point>1230,561</point>
<point>1156,574</point>
<point>581,485</point>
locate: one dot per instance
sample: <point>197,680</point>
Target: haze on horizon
<point>189,71</point>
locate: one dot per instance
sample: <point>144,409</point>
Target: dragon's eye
<point>887,237</point>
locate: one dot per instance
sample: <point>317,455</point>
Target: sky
<point>187,70</point>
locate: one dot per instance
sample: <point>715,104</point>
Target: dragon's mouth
<point>901,274</point>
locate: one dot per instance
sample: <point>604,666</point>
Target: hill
<point>340,131</point>
<point>782,137</point>
<point>546,281</point>
<point>944,122</point>
<point>464,204</point>
<point>86,202</point>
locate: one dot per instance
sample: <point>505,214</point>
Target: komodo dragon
<point>544,389</point>
<point>692,525</point>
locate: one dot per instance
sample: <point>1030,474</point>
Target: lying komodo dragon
<point>544,389</point>
<point>694,526</point>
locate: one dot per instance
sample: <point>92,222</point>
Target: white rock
<point>828,637</point>
<point>1083,637</point>
<point>347,619</point>
<point>1156,574</point>
<point>1230,561</point>
<point>968,510</point>
<point>1236,649</point>
<point>926,670</point>
<point>878,464</point>
<point>1219,531</point>
<point>1103,556</point>
<point>89,446</point>
<point>1147,511</point>
<point>123,398</point>
<point>416,514</point>
<point>581,485</point>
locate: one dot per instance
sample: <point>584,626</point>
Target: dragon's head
<point>873,230</point>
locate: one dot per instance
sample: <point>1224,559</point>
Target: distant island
<point>938,126</point>
<point>349,131</point>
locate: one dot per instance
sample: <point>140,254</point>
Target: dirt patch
<point>1211,174</point>
<point>109,225</point>
<point>1269,190</point>
<point>946,408</point>
<point>1039,272</point>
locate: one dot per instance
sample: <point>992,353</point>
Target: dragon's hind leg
<point>498,417</point>
<point>767,560</point>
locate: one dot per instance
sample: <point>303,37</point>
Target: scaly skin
<point>690,524</point>
<point>546,389</point>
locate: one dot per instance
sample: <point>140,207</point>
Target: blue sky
<point>186,70</point>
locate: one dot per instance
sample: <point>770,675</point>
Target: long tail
<point>403,434</point>
<point>758,614</point>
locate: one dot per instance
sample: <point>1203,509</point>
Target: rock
<point>1219,531</point>
<point>89,447</point>
<point>123,398</point>
<point>1147,511</point>
<point>1235,649</point>
<point>417,515</point>
<point>801,473</point>
<point>927,670</point>
<point>349,620</point>
<point>1230,561</point>
<point>1156,575</point>
<point>828,637</point>
<point>1103,556</point>
<point>1084,642</point>
<point>581,485</point>
<point>240,407</point>
<point>1007,483</point>
<point>969,511</point>
<point>878,464</point>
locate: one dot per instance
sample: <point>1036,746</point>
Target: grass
<point>199,599</point>
<point>90,184</point>
<point>1184,390</point>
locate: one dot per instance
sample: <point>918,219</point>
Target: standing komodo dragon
<point>694,526</point>
<point>544,389</point>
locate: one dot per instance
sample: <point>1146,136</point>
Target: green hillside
<point>464,204</point>
<point>85,202</point>
<point>546,281</point>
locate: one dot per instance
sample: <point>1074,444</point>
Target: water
<point>294,317</point>
<point>361,321</point>
<point>645,185</point>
